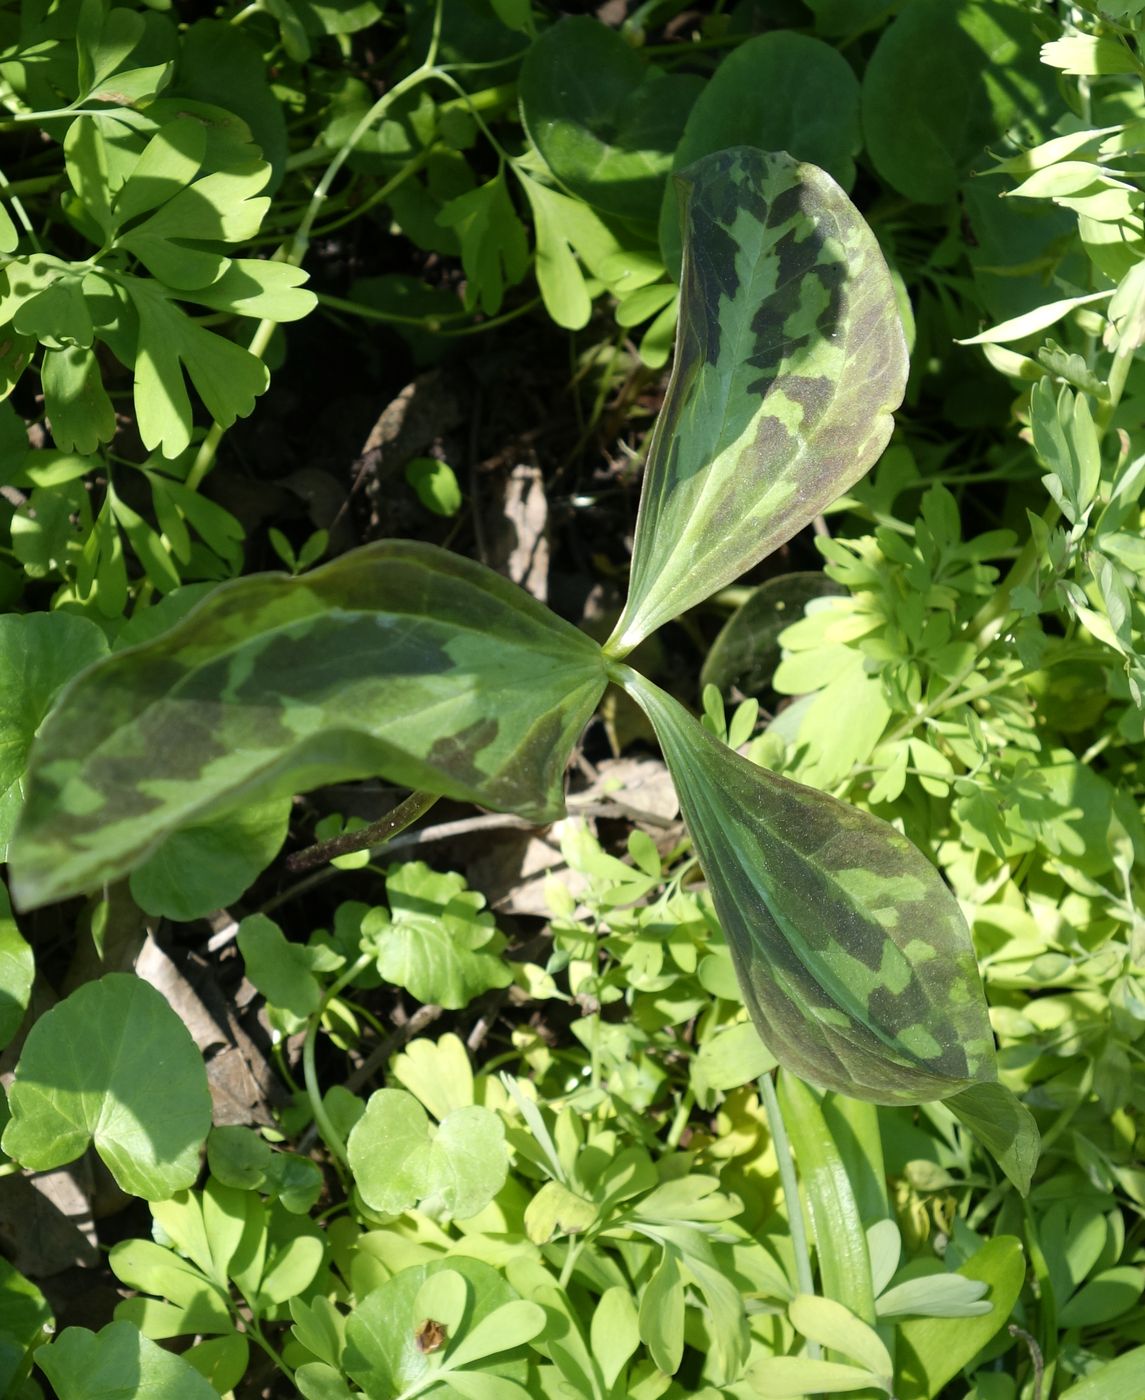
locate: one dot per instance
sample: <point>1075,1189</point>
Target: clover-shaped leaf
<point>118,1361</point>
<point>435,940</point>
<point>400,1161</point>
<point>441,1329</point>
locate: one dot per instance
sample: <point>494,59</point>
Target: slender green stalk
<point>1044,1290</point>
<point>18,209</point>
<point>372,313</point>
<point>572,1254</point>
<point>381,194</point>
<point>787,1179</point>
<point>300,243</point>
<point>680,1119</point>
<point>56,112</point>
<point>841,1242</point>
<point>256,1334</point>
<point>330,1134</point>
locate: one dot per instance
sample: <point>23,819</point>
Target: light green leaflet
<point>398,659</point>
<point>112,1066</point>
<point>789,360</point>
<point>854,959</point>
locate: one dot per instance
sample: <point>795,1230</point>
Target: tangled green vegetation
<point>733,1122</point>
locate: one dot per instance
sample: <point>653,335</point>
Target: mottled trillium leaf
<point>39,653</point>
<point>1000,1120</point>
<point>17,972</point>
<point>780,91</point>
<point>790,358</point>
<point>397,659</point>
<point>854,959</point>
<point>114,1066</point>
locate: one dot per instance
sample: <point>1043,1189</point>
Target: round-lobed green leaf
<point>112,1066</point>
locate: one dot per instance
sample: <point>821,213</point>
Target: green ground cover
<point>752,531</point>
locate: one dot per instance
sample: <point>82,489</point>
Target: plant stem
<point>300,243</point>
<point>576,1244</point>
<point>371,313</point>
<point>56,112</point>
<point>786,1165</point>
<point>209,447</point>
<point>381,194</point>
<point>1043,1288</point>
<point>18,209</point>
<point>330,1135</point>
<point>376,834</point>
<point>256,1334</point>
<point>680,1121</point>
<point>301,240</point>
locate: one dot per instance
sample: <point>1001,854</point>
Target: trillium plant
<point>405,661</point>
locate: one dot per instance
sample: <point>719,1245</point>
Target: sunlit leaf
<point>39,652</point>
<point>833,1209</point>
<point>434,939</point>
<point>1119,1379</point>
<point>935,1295</point>
<point>829,1323</point>
<point>794,1377</point>
<point>381,1354</point>
<point>119,1361</point>
<point>494,249</point>
<point>746,650</point>
<point>934,1349</point>
<point>853,956</point>
<point>112,1065</point>
<point>789,359</point>
<point>17,972</point>
<point>1005,1125</point>
<point>398,659</point>
<point>400,1160</point>
<point>227,376</point>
